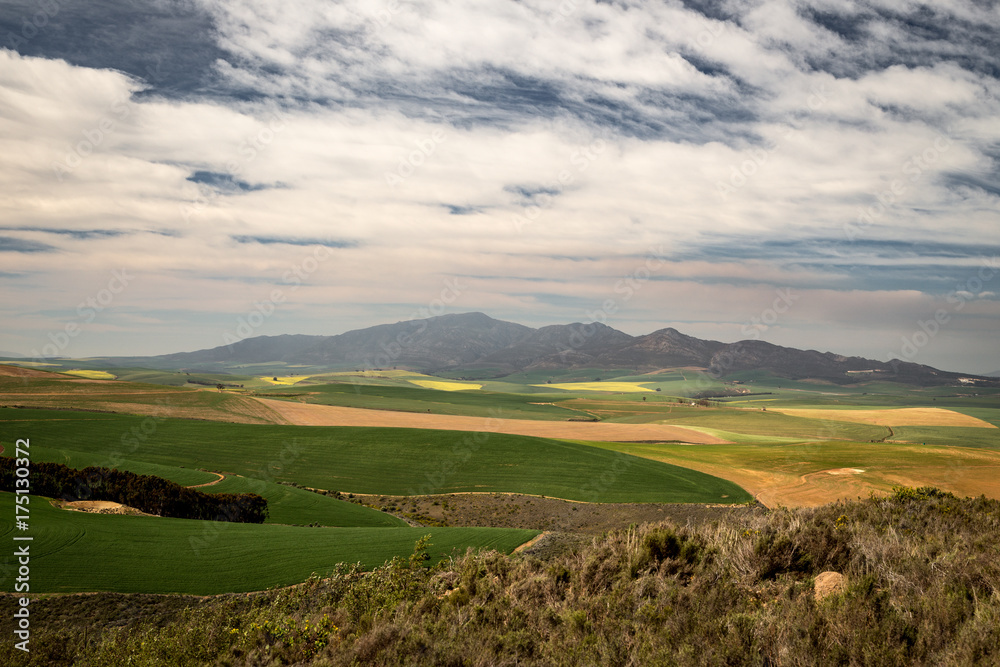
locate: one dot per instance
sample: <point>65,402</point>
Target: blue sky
<point>822,174</point>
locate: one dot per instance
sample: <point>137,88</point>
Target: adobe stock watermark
<point>415,159</point>
<point>249,149</point>
<point>31,26</point>
<point>581,160</point>
<point>131,440</point>
<point>710,32</point>
<point>385,14</point>
<point>756,158</point>
<point>783,301</point>
<point>139,435</point>
<point>595,488</point>
<point>928,329</point>
<point>96,135</point>
<point>437,306</point>
<point>87,311</point>
<point>563,11</point>
<point>257,480</point>
<point>261,311</point>
<point>725,361</point>
<point>912,170</point>
<point>463,450</point>
<point>625,288</point>
<point>22,541</point>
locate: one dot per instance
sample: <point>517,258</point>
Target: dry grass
<point>922,587</point>
<point>891,416</point>
<point>810,475</point>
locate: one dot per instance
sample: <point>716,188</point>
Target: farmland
<point>287,504</point>
<point>442,385</point>
<point>892,417</point>
<point>380,460</point>
<point>274,461</point>
<point>162,555</point>
<point>300,438</point>
<point>406,397</point>
<point>625,387</point>
<point>819,472</point>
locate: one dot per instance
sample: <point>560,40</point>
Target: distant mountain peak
<point>476,316</point>
<point>474,340</point>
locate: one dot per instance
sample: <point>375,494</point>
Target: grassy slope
<point>800,459</point>
<point>921,589</point>
<point>392,461</point>
<point>968,471</point>
<point>80,460</point>
<point>987,414</point>
<point>292,506</point>
<point>416,399</point>
<point>286,504</point>
<point>66,392</point>
<point>750,422</point>
<point>88,552</point>
<point>961,436</point>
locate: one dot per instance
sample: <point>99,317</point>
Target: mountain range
<point>480,345</point>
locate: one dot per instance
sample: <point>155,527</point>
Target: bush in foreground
<point>923,589</point>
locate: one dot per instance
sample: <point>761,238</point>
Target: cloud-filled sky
<point>823,174</point>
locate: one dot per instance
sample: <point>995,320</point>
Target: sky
<point>821,174</point>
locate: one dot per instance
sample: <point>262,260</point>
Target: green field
<point>85,552</point>
<point>286,504</point>
<point>384,460</point>
<point>750,422</point>
<point>960,436</point>
<point>65,392</point>
<point>309,532</point>
<point>474,403</point>
<point>805,458</point>
<point>74,552</point>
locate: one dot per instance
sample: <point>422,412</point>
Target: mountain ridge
<point>477,342</point>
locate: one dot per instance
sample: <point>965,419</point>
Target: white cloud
<point>401,120</point>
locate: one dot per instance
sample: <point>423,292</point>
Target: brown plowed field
<point>309,414</point>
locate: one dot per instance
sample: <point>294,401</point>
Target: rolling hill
<point>486,347</point>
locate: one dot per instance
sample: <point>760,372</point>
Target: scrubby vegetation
<point>147,493</point>
<point>923,588</point>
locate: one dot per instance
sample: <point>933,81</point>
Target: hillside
<point>487,347</point>
<point>909,579</point>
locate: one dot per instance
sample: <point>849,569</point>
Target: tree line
<point>147,493</point>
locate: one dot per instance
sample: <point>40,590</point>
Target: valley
<point>320,445</point>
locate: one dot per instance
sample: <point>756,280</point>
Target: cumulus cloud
<point>536,153</point>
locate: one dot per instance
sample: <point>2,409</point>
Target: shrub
<point>738,592</point>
